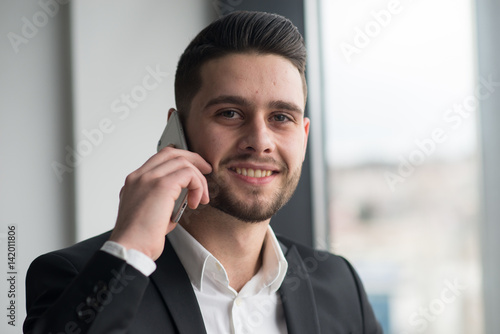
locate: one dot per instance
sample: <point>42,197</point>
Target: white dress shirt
<point>136,259</point>
<point>257,308</point>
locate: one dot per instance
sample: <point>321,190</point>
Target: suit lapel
<point>175,287</point>
<point>297,296</point>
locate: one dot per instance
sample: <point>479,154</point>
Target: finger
<point>196,185</point>
<point>178,168</point>
<point>196,159</point>
<point>172,166</point>
<point>168,153</point>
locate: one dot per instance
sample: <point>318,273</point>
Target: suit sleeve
<point>370,323</point>
<point>103,297</point>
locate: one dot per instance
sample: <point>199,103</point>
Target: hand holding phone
<point>146,212</point>
<point>174,135</point>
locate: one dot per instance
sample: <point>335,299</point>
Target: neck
<point>236,244</point>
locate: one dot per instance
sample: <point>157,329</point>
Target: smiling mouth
<point>257,173</point>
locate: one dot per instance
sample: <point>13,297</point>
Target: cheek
<point>293,152</point>
<point>209,146</point>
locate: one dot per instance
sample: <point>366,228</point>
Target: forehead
<point>259,77</point>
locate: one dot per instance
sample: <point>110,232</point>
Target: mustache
<point>249,158</point>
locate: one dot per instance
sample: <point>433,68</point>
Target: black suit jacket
<point>83,290</point>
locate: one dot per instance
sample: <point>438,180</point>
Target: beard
<point>255,207</point>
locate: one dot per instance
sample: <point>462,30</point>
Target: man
<point>240,91</point>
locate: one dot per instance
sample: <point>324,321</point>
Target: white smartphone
<point>174,135</point>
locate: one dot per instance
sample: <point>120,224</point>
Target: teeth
<point>253,172</point>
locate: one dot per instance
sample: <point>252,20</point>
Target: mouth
<point>250,172</point>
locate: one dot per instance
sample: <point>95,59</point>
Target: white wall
<point>116,45</point>
<point>46,102</point>
<point>34,116</point>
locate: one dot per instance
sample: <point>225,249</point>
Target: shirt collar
<point>274,264</point>
<point>199,262</point>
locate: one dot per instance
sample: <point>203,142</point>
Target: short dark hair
<point>238,32</point>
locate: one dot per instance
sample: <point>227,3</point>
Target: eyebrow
<point>229,99</point>
<point>238,100</point>
<point>283,105</point>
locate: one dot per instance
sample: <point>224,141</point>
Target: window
<point>400,126</point>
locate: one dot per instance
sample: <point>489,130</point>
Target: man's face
<point>247,121</point>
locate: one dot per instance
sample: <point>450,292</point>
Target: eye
<point>281,118</point>
<point>231,114</point>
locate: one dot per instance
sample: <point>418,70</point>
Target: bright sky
<point>390,80</point>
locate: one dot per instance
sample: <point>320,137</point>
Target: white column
<point>35,126</point>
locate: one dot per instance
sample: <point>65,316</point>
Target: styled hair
<point>237,32</point>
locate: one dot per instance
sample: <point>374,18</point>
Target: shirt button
<point>238,301</point>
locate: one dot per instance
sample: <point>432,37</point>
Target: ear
<point>307,122</point>
<point>170,111</point>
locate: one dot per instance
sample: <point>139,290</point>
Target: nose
<point>257,137</point>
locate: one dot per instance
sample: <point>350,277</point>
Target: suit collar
<point>175,287</point>
<point>297,295</point>
<point>177,292</point>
